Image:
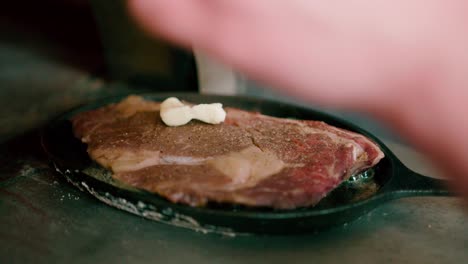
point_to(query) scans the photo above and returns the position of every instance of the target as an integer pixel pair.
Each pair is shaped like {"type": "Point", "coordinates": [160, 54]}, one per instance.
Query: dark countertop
{"type": "Point", "coordinates": [43, 219]}
{"type": "Point", "coordinates": [46, 220]}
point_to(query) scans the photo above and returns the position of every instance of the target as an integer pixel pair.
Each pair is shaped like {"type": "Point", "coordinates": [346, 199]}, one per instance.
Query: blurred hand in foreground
{"type": "Point", "coordinates": [403, 61]}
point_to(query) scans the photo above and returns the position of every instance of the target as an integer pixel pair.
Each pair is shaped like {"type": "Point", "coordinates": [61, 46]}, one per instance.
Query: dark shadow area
{"type": "Point", "coordinates": [61, 30]}
{"type": "Point", "coordinates": [97, 37]}
{"type": "Point", "coordinates": [57, 53]}
{"type": "Point", "coordinates": [18, 151]}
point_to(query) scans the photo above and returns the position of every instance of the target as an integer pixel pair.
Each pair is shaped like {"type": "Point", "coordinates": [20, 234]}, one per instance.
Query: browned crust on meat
{"type": "Point", "coordinates": [130, 139]}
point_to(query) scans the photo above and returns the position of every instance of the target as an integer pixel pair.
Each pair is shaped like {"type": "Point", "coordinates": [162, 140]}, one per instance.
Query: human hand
{"type": "Point", "coordinates": [352, 54]}
{"type": "Point", "coordinates": [403, 61]}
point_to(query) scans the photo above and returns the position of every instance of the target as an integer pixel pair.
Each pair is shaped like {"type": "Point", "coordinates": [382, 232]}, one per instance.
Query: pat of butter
{"type": "Point", "coordinates": [174, 113]}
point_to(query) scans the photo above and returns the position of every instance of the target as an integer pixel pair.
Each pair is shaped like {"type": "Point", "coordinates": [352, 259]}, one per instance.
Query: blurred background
{"type": "Point", "coordinates": [56, 54]}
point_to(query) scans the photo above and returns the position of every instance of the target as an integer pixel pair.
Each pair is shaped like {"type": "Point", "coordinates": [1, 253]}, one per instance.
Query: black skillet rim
{"type": "Point", "coordinates": [153, 199]}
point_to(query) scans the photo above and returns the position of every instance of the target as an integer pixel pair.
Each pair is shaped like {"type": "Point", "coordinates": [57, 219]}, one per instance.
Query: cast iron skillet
{"type": "Point", "coordinates": [390, 179]}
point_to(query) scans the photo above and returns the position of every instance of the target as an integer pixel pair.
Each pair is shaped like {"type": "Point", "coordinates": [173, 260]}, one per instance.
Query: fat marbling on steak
{"type": "Point", "coordinates": [250, 159]}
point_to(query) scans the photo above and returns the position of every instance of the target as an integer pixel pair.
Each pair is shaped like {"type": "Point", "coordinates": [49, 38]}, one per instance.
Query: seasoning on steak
{"type": "Point", "coordinates": [250, 159]}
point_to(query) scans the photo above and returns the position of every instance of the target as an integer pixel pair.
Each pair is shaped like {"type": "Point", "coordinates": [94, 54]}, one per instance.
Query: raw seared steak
{"type": "Point", "coordinates": [250, 159]}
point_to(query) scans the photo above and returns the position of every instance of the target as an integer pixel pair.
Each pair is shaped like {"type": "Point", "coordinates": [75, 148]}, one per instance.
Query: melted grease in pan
{"type": "Point", "coordinates": [358, 187]}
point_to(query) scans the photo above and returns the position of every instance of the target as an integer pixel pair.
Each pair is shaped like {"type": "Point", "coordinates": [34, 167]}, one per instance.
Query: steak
{"type": "Point", "coordinates": [250, 159]}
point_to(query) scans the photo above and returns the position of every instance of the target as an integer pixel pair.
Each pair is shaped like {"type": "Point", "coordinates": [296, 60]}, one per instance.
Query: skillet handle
{"type": "Point", "coordinates": [410, 183]}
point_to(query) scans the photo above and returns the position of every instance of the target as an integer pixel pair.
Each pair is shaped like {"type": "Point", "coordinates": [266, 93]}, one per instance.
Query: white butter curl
{"type": "Point", "coordinates": [174, 113]}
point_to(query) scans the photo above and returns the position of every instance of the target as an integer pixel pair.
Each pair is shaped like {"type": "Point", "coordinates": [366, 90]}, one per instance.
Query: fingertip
{"type": "Point", "coordinates": [175, 20]}
{"type": "Point", "coordinates": [146, 14]}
